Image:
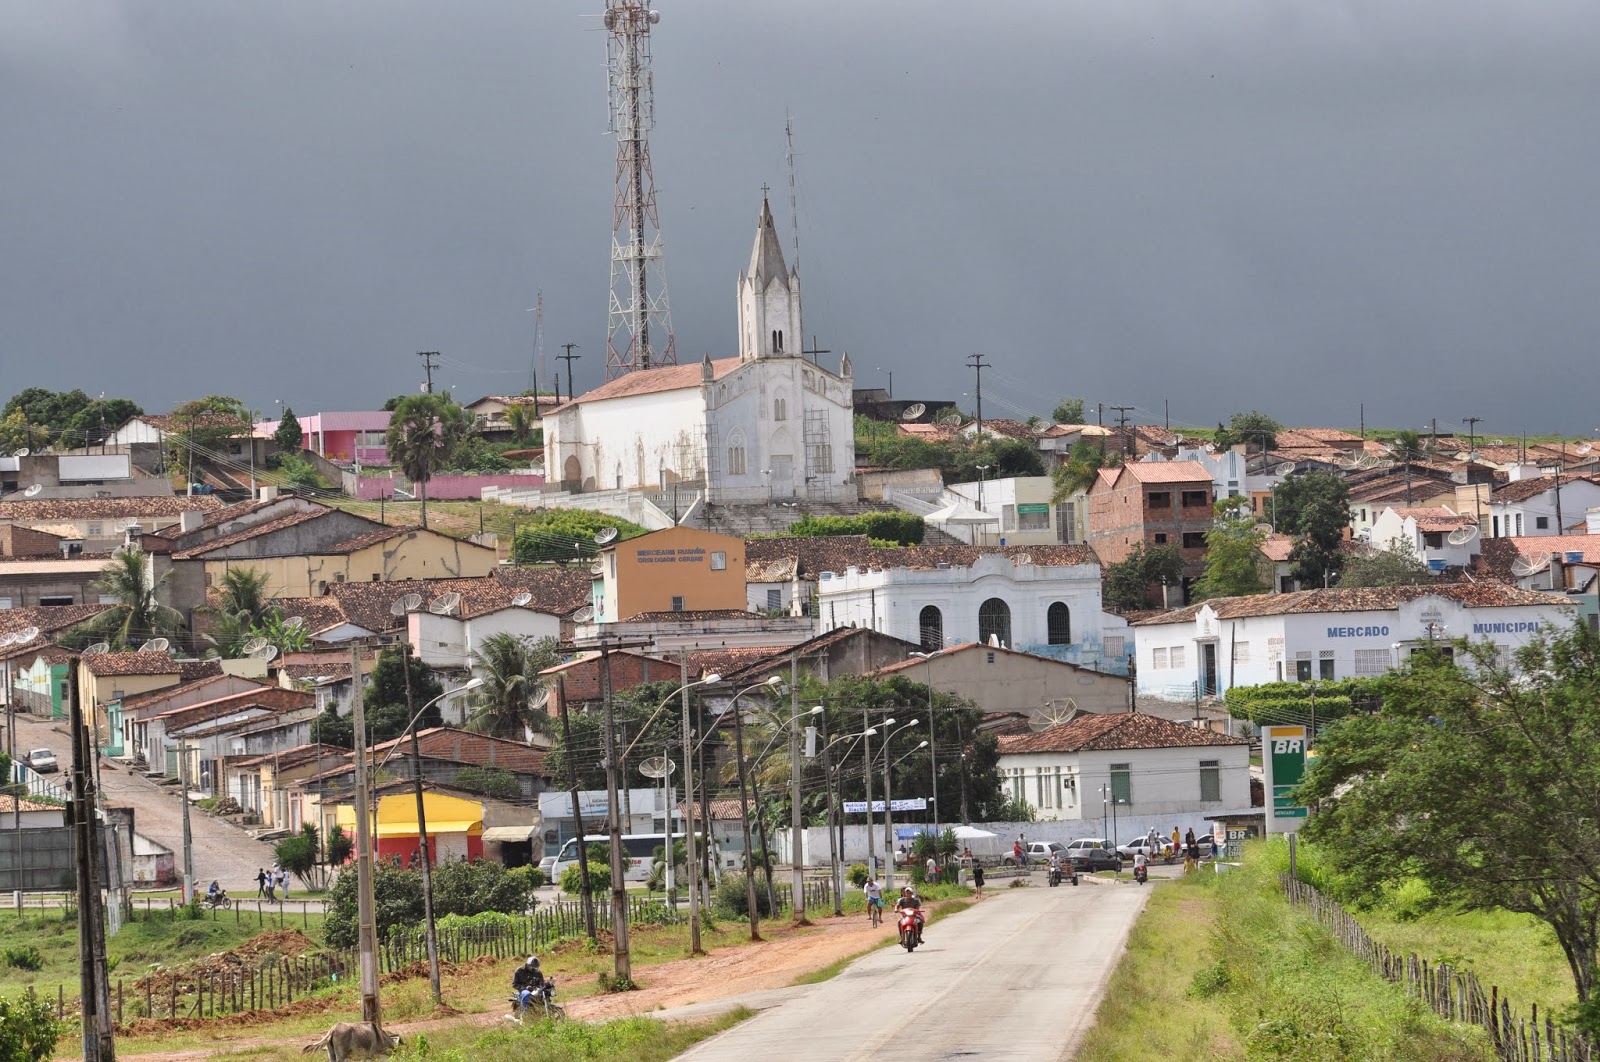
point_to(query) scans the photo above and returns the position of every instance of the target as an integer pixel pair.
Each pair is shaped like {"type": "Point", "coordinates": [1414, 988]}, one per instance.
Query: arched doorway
{"type": "Point", "coordinates": [994, 620]}
{"type": "Point", "coordinates": [930, 628]}
{"type": "Point", "coordinates": [1058, 624]}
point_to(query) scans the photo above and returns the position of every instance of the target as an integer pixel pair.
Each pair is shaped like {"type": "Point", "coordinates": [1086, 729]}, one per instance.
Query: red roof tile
{"type": "Point", "coordinates": [130, 664]}
{"type": "Point", "coordinates": [653, 381]}
{"type": "Point", "coordinates": [1167, 471]}
{"type": "Point", "coordinates": [1094, 732]}
{"type": "Point", "coordinates": [477, 750]}
{"type": "Point", "coordinates": [1351, 599]}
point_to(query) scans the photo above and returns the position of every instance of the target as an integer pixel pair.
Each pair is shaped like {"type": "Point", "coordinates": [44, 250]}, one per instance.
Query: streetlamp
{"type": "Point", "coordinates": [891, 378]}
{"type": "Point", "coordinates": [933, 736]}
{"type": "Point", "coordinates": [422, 818]}
{"type": "Point", "coordinates": [866, 774]}
{"type": "Point", "coordinates": [755, 795]}
{"type": "Point", "coordinates": [836, 852]}
{"type": "Point", "coordinates": [888, 806]}
{"type": "Point", "coordinates": [744, 801]}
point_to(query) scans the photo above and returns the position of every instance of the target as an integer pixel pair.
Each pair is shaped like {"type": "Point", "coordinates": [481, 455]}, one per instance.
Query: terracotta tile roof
{"type": "Point", "coordinates": [559, 590]}
{"type": "Point", "coordinates": [1434, 517]}
{"type": "Point", "coordinates": [1151, 434]}
{"type": "Point", "coordinates": [773, 559]}
{"type": "Point", "coordinates": [931, 432]}
{"type": "Point", "coordinates": [587, 658]}
{"type": "Point", "coordinates": [48, 618]}
{"type": "Point", "coordinates": [911, 664]}
{"type": "Point", "coordinates": [320, 613]}
{"type": "Point", "coordinates": [217, 516]}
{"type": "Point", "coordinates": [1327, 435]}
{"type": "Point", "coordinates": [1167, 471]}
{"type": "Point", "coordinates": [730, 662]}
{"type": "Point", "coordinates": [777, 659]}
{"type": "Point", "coordinates": [1533, 486]}
{"type": "Point", "coordinates": [1276, 548]}
{"type": "Point", "coordinates": [195, 670]}
{"type": "Point", "coordinates": [555, 591]}
{"type": "Point", "coordinates": [191, 687]}
{"type": "Point", "coordinates": [721, 810]}
{"type": "Point", "coordinates": [1055, 431]}
{"type": "Point", "coordinates": [8, 806]}
{"type": "Point", "coordinates": [300, 754]}
{"type": "Point", "coordinates": [245, 534]}
{"type": "Point", "coordinates": [653, 381]}
{"type": "Point", "coordinates": [130, 664]}
{"type": "Point", "coordinates": [1011, 429]}
{"type": "Point", "coordinates": [274, 699]}
{"type": "Point", "coordinates": [308, 672]}
{"type": "Point", "coordinates": [371, 538]}
{"type": "Point", "coordinates": [39, 647]}
{"type": "Point", "coordinates": [1093, 732]}
{"type": "Point", "coordinates": [998, 723]}
{"type": "Point", "coordinates": [106, 508]}
{"type": "Point", "coordinates": [476, 750]}
{"type": "Point", "coordinates": [1351, 599]}
{"type": "Point", "coordinates": [1499, 554]}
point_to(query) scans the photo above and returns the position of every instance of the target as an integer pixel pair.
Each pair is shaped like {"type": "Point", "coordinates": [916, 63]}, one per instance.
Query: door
{"type": "Point", "coordinates": [1208, 669]}
{"type": "Point", "coordinates": [782, 476]}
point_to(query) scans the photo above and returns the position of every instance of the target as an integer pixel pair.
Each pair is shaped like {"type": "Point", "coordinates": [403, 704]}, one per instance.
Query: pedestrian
{"type": "Point", "coordinates": [933, 870]}
{"type": "Point", "coordinates": [1177, 841]}
{"type": "Point", "coordinates": [1191, 848]}
{"type": "Point", "coordinates": [977, 880]}
{"type": "Point", "coordinates": [1016, 850]}
{"type": "Point", "coordinates": [272, 887]}
{"type": "Point", "coordinates": [261, 882]}
{"type": "Point", "coordinates": [283, 879]}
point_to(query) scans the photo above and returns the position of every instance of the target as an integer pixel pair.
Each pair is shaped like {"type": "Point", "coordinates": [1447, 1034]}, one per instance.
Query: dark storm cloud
{"type": "Point", "coordinates": [1289, 207]}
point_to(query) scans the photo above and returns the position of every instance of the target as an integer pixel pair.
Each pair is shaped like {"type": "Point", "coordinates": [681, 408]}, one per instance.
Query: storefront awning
{"type": "Point", "coordinates": [515, 834]}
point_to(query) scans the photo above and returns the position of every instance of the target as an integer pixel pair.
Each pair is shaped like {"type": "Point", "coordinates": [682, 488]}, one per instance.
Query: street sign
{"type": "Point", "coordinates": [859, 807]}
{"type": "Point", "coordinates": [1284, 760]}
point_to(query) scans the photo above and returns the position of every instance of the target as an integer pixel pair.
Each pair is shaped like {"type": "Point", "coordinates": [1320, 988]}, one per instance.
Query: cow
{"type": "Point", "coordinates": [355, 1040]}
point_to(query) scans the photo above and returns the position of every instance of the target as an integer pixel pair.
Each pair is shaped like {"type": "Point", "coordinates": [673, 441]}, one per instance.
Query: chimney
{"type": "Point", "coordinates": [190, 521]}
{"type": "Point", "coordinates": [1591, 521]}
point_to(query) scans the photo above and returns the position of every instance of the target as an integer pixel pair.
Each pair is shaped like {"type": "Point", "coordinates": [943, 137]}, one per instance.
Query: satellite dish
{"type": "Point", "coordinates": [950, 420]}
{"type": "Point", "coordinates": [1462, 535]}
{"type": "Point", "coordinates": [1284, 469]}
{"type": "Point", "coordinates": [1585, 448]}
{"type": "Point", "coordinates": [155, 645]}
{"type": "Point", "coordinates": [1211, 447]}
{"type": "Point", "coordinates": [7, 640]}
{"type": "Point", "coordinates": [24, 452]}
{"type": "Point", "coordinates": [445, 604]}
{"type": "Point", "coordinates": [1364, 535]}
{"type": "Point", "coordinates": [25, 635]}
{"type": "Point", "coordinates": [605, 535]}
{"type": "Point", "coordinates": [254, 646]}
{"type": "Point", "coordinates": [33, 489]}
{"type": "Point", "coordinates": [1526, 566]}
{"type": "Point", "coordinates": [914, 411]}
{"type": "Point", "coordinates": [521, 599]}
{"type": "Point", "coordinates": [266, 653]}
{"type": "Point", "coordinates": [584, 614]}
{"type": "Point", "coordinates": [1022, 558]}
{"type": "Point", "coordinates": [97, 648]}
{"type": "Point", "coordinates": [294, 623]}
{"type": "Point", "coordinates": [413, 602]}
{"type": "Point", "coordinates": [656, 767]}
{"type": "Point", "coordinates": [1056, 713]}
{"type": "Point", "coordinates": [397, 607]}
{"type": "Point", "coordinates": [597, 569]}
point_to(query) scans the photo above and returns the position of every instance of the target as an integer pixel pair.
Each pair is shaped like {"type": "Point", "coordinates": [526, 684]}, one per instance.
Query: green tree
{"type": "Point", "coordinates": [385, 704]}
{"type": "Point", "coordinates": [1317, 556]}
{"type": "Point", "coordinates": [1408, 446]}
{"type": "Point", "coordinates": [241, 603]}
{"type": "Point", "coordinates": [1255, 429]}
{"type": "Point", "coordinates": [1002, 456]}
{"type": "Point", "coordinates": [29, 1029]}
{"type": "Point", "coordinates": [136, 614]}
{"type": "Point", "coordinates": [91, 424]}
{"type": "Point", "coordinates": [523, 419]}
{"type": "Point", "coordinates": [51, 410]}
{"type": "Point", "coordinates": [288, 438]}
{"type": "Point", "coordinates": [16, 433]}
{"type": "Point", "coordinates": [424, 434]}
{"type": "Point", "coordinates": [1133, 583]}
{"type": "Point", "coordinates": [1233, 553]}
{"type": "Point", "coordinates": [1070, 411]}
{"type": "Point", "coordinates": [1077, 474]}
{"type": "Point", "coordinates": [299, 472]}
{"type": "Point", "coordinates": [300, 854]}
{"type": "Point", "coordinates": [511, 699]}
{"type": "Point", "coordinates": [1403, 794]}
{"type": "Point", "coordinates": [893, 450]}
{"type": "Point", "coordinates": [1396, 564]}
{"type": "Point", "coordinates": [566, 534]}
{"type": "Point", "coordinates": [1294, 493]}
{"type": "Point", "coordinates": [207, 424]}
{"type": "Point", "coordinates": [477, 454]}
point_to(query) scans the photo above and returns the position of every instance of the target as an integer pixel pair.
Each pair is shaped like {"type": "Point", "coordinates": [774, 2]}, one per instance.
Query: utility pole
{"type": "Point", "coordinates": [430, 936]}
{"type": "Point", "coordinates": [1472, 433]}
{"type": "Point", "coordinates": [1122, 429]}
{"type": "Point", "coordinates": [428, 366]}
{"type": "Point", "coordinates": [622, 960]}
{"type": "Point", "coordinates": [866, 739]}
{"type": "Point", "coordinates": [94, 977]}
{"type": "Point", "coordinates": [688, 799]}
{"type": "Point", "coordinates": [188, 840]}
{"type": "Point", "coordinates": [569, 357]}
{"type": "Point", "coordinates": [796, 833]}
{"type": "Point", "coordinates": [577, 813]}
{"type": "Point", "coordinates": [367, 931]}
{"type": "Point", "coordinates": [1100, 422]}
{"type": "Point", "coordinates": [744, 823]}
{"type": "Point", "coordinates": [977, 364]}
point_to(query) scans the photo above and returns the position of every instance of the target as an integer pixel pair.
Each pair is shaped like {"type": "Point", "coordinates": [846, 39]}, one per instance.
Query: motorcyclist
{"type": "Point", "coordinates": [214, 892]}
{"type": "Point", "coordinates": [1055, 866]}
{"type": "Point", "coordinates": [909, 900]}
{"type": "Point", "coordinates": [1140, 863]}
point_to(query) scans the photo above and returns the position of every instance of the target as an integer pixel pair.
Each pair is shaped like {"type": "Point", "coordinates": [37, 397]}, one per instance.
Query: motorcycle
{"type": "Point", "coordinates": [543, 996]}
{"type": "Point", "coordinates": [1141, 875]}
{"type": "Point", "coordinates": [1055, 876]}
{"type": "Point", "coordinates": [212, 901]}
{"type": "Point", "coordinates": [910, 928]}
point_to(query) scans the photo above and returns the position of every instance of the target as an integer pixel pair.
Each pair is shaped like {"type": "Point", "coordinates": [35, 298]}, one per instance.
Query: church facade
{"type": "Point", "coordinates": [766, 426]}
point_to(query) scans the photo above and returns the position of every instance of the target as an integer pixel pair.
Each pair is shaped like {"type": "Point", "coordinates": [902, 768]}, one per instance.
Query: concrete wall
{"type": "Point", "coordinates": [925, 482]}
{"type": "Point", "coordinates": [644, 574]}
{"type": "Point", "coordinates": [1162, 782]}
{"type": "Point", "coordinates": [442, 488]}
{"type": "Point", "coordinates": [1016, 681]}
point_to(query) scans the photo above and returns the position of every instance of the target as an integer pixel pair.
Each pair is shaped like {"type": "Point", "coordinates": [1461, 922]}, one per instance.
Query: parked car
{"type": "Point", "coordinates": [1162, 849]}
{"type": "Point", "coordinates": [44, 761]}
{"type": "Point", "coordinates": [545, 865]}
{"type": "Point", "coordinates": [1037, 852]}
{"type": "Point", "coordinates": [1089, 854]}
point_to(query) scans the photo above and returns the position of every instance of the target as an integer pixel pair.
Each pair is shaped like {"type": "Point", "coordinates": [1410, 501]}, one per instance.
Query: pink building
{"type": "Point", "coordinates": [345, 438]}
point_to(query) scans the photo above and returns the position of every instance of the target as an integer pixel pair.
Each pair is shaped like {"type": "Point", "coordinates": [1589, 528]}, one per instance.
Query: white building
{"type": "Point", "coordinates": [1026, 514]}
{"type": "Point", "coordinates": [1038, 599]}
{"type": "Point", "coordinates": [766, 425]}
{"type": "Point", "coordinates": [1534, 506]}
{"type": "Point", "coordinates": [1148, 765]}
{"type": "Point", "coordinates": [1326, 634]}
{"type": "Point", "coordinates": [1440, 536]}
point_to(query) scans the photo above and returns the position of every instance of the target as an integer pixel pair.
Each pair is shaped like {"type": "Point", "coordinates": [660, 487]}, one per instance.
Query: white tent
{"type": "Point", "coordinates": [960, 513]}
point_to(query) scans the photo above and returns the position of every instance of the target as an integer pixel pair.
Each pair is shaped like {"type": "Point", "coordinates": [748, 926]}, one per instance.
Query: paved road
{"type": "Point", "coordinates": [221, 851]}
{"type": "Point", "coordinates": [1015, 978]}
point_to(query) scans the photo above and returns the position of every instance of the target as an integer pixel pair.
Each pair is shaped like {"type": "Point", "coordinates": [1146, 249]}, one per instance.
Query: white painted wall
{"type": "Point", "coordinates": [1162, 782]}
{"type": "Point", "coordinates": [1390, 526]}
{"type": "Point", "coordinates": [444, 642]}
{"type": "Point", "coordinates": [1577, 496]}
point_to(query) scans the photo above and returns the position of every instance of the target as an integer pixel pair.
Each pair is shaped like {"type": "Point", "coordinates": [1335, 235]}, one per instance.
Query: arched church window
{"type": "Point", "coordinates": [780, 409]}
{"type": "Point", "coordinates": [1058, 624]}
{"type": "Point", "coordinates": [777, 343]}
{"type": "Point", "coordinates": [930, 628]}
{"type": "Point", "coordinates": [994, 621]}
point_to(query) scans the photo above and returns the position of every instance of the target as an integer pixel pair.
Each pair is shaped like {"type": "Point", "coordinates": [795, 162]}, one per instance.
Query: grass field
{"type": "Point", "coordinates": [1220, 967]}
{"type": "Point", "coordinates": [622, 1040]}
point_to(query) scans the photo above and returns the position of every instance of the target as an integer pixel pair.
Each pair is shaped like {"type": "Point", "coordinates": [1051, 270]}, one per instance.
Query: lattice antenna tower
{"type": "Point", "coordinates": [536, 366]}
{"type": "Point", "coordinates": [794, 208]}
{"type": "Point", "coordinates": [639, 328]}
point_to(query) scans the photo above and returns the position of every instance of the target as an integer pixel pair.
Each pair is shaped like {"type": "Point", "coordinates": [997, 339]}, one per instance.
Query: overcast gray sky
{"type": "Point", "coordinates": [1233, 204]}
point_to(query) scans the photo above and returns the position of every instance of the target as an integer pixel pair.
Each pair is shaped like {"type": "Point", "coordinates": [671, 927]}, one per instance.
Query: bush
{"type": "Point", "coordinates": [565, 534]}
{"type": "Point", "coordinates": [859, 874]}
{"type": "Point", "coordinates": [599, 878]}
{"type": "Point", "coordinates": [490, 781]}
{"type": "Point", "coordinates": [397, 901]}
{"type": "Point", "coordinates": [29, 1029]}
{"type": "Point", "coordinates": [731, 899]}
{"type": "Point", "coordinates": [23, 957]}
{"type": "Point", "coordinates": [469, 888]}
{"type": "Point", "coordinates": [901, 529]}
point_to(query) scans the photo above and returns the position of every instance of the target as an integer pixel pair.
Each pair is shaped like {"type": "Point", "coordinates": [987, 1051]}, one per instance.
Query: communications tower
{"type": "Point", "coordinates": [639, 328]}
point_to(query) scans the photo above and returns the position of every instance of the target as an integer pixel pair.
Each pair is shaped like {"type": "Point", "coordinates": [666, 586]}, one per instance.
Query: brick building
{"type": "Point", "coordinates": [1157, 503]}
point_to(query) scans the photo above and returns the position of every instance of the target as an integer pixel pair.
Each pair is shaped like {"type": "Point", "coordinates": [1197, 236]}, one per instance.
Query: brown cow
{"type": "Point", "coordinates": [355, 1040]}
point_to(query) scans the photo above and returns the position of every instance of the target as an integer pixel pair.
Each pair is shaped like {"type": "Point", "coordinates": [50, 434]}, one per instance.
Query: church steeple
{"type": "Point", "coordinates": [769, 297]}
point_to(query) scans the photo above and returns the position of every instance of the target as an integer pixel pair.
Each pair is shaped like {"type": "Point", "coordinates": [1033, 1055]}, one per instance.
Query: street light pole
{"type": "Point", "coordinates": [797, 902]}
{"type": "Point", "coordinates": [933, 737]}
{"type": "Point", "coordinates": [888, 808]}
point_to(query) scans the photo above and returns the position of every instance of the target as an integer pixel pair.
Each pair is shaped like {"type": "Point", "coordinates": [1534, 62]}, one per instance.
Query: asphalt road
{"type": "Point", "coordinates": [1017, 977]}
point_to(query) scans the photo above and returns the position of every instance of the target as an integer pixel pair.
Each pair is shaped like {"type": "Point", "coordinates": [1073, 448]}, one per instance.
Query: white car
{"type": "Point", "coordinates": [1162, 849]}
{"type": "Point", "coordinates": [44, 761]}
{"type": "Point", "coordinates": [545, 864]}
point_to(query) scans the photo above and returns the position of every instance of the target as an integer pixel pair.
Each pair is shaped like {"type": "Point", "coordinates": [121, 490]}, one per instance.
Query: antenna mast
{"type": "Point", "coordinates": [794, 209]}
{"type": "Point", "coordinates": [538, 347]}
{"type": "Point", "coordinates": [638, 303]}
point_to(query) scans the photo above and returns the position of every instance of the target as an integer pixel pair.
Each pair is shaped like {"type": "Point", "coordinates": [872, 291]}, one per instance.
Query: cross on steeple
{"type": "Point", "coordinates": [814, 351]}
{"type": "Point", "coordinates": [765, 188]}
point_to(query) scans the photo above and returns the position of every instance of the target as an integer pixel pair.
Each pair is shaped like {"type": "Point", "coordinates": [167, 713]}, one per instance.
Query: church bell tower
{"type": "Point", "coordinates": [769, 298]}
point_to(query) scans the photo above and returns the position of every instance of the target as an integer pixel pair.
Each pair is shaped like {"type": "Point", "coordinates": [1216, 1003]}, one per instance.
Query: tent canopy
{"type": "Point", "coordinates": [960, 513]}
{"type": "Point", "coordinates": [972, 833]}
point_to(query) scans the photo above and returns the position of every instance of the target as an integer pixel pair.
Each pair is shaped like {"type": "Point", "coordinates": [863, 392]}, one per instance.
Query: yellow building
{"type": "Point", "coordinates": [455, 826]}
{"type": "Point", "coordinates": [680, 569]}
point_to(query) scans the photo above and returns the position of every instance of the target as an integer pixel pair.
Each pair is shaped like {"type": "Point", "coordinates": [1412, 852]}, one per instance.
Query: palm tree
{"type": "Point", "coordinates": [523, 418]}
{"type": "Point", "coordinates": [511, 698]}
{"type": "Point", "coordinates": [241, 605]}
{"type": "Point", "coordinates": [424, 433]}
{"type": "Point", "coordinates": [136, 615]}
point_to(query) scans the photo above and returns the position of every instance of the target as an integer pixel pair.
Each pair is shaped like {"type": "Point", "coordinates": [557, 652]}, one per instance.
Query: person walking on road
{"type": "Point", "coordinates": [1191, 849]}
{"type": "Point", "coordinates": [977, 880]}
{"type": "Point", "coordinates": [283, 880]}
{"type": "Point", "coordinates": [261, 882]}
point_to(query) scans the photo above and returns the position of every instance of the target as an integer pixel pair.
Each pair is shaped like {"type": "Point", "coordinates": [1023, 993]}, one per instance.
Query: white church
{"type": "Point", "coordinates": [766, 426]}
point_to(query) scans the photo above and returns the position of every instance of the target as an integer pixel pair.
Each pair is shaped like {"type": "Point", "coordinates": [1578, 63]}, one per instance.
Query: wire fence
{"type": "Point", "coordinates": [1454, 995]}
